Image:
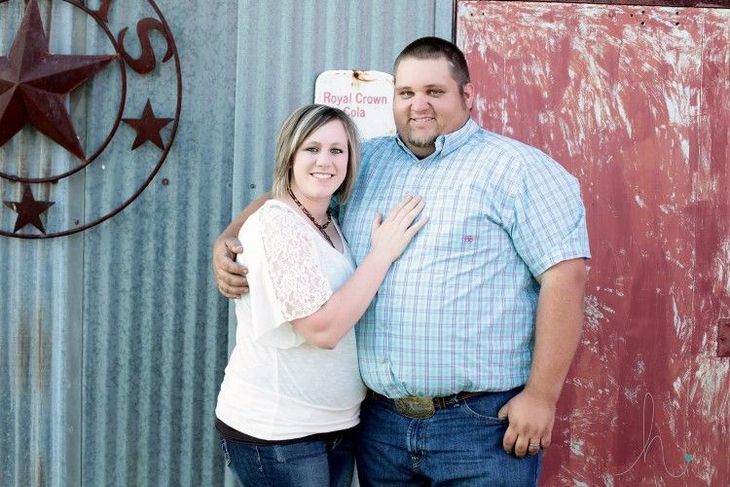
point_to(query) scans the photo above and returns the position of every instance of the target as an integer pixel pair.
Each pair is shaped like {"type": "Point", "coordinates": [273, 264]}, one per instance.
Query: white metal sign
{"type": "Point", "coordinates": [367, 96]}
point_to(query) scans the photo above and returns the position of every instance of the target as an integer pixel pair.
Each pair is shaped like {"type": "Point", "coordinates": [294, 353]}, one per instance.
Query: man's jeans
{"type": "Point", "coordinates": [316, 463]}
{"type": "Point", "coordinates": [461, 445]}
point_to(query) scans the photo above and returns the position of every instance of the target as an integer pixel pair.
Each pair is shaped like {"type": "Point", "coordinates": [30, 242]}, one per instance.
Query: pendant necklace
{"type": "Point", "coordinates": [321, 227]}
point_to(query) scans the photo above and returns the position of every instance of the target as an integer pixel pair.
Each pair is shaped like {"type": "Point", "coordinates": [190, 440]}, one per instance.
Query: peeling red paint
{"type": "Point", "coordinates": [634, 101]}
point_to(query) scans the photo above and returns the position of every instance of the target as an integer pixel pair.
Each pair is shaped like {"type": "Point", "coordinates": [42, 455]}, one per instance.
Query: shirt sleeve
{"type": "Point", "coordinates": [549, 220]}
{"type": "Point", "coordinates": [294, 286]}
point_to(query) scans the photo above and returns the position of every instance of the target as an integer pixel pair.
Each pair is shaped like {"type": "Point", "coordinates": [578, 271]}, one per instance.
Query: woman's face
{"type": "Point", "coordinates": [320, 163]}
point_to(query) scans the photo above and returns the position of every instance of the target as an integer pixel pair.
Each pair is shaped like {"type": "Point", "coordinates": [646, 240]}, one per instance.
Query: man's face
{"type": "Point", "coordinates": [428, 103]}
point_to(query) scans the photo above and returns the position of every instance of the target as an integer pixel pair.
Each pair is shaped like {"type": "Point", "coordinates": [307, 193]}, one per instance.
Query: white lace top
{"type": "Point", "coordinates": [277, 386]}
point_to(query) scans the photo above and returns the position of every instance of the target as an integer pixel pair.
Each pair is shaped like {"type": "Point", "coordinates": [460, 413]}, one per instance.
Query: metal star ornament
{"type": "Point", "coordinates": [34, 84]}
{"type": "Point", "coordinates": [29, 210]}
{"type": "Point", "coordinates": [148, 127]}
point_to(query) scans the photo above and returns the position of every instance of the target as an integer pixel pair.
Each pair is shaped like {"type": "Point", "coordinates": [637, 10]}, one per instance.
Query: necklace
{"type": "Point", "coordinates": [321, 227]}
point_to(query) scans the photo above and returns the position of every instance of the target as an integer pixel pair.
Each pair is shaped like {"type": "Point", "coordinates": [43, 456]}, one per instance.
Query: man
{"type": "Point", "coordinates": [467, 344]}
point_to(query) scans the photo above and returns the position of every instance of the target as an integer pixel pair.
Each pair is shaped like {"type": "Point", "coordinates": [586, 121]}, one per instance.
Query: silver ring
{"type": "Point", "coordinates": [534, 445]}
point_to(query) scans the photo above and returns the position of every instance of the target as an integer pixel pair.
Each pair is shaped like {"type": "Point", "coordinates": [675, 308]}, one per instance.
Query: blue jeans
{"type": "Point", "coordinates": [461, 445]}
{"type": "Point", "coordinates": [315, 463]}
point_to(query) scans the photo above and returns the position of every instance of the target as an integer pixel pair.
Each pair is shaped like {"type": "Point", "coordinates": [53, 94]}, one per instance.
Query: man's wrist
{"type": "Point", "coordinates": [548, 395]}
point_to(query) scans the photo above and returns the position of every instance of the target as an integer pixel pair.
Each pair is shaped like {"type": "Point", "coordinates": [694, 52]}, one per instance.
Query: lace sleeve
{"type": "Point", "coordinates": [299, 283]}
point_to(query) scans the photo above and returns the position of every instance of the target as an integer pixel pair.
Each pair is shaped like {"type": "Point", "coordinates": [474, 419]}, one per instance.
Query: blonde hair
{"type": "Point", "coordinates": [295, 130]}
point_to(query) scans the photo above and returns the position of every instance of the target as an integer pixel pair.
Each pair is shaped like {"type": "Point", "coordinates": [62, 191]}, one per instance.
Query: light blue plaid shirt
{"type": "Point", "coordinates": [456, 312]}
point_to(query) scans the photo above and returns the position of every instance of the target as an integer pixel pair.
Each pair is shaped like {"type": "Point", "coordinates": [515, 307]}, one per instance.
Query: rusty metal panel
{"type": "Point", "coordinates": [634, 101]}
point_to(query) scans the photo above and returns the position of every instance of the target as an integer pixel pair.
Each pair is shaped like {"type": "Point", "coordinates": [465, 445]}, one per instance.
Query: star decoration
{"type": "Point", "coordinates": [29, 210]}
{"type": "Point", "coordinates": [148, 127]}
{"type": "Point", "coordinates": [34, 84]}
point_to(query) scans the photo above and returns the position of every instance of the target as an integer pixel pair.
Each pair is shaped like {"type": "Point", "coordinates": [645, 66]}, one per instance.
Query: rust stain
{"type": "Point", "coordinates": [632, 100]}
{"type": "Point", "coordinates": [40, 356]}
{"type": "Point", "coordinates": [31, 357]}
{"type": "Point", "coordinates": [38, 474]}
{"type": "Point", "coordinates": [723, 338]}
{"type": "Point", "coordinates": [360, 77]}
{"type": "Point", "coordinates": [22, 356]}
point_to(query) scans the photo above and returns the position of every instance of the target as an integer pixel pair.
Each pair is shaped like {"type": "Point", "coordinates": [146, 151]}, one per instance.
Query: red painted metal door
{"type": "Point", "coordinates": [634, 101]}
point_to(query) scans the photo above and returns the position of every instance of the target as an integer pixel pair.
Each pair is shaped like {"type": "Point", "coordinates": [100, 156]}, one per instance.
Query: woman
{"type": "Point", "coordinates": [292, 391]}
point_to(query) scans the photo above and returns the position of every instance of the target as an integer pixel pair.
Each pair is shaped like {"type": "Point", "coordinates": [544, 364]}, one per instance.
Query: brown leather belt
{"type": "Point", "coordinates": [423, 407]}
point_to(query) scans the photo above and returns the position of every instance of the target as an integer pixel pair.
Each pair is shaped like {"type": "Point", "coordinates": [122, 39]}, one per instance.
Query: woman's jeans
{"type": "Point", "coordinates": [313, 463]}
{"type": "Point", "coordinates": [460, 445]}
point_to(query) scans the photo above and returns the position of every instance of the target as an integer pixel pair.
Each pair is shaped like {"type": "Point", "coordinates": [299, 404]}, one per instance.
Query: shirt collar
{"type": "Point", "coordinates": [445, 144]}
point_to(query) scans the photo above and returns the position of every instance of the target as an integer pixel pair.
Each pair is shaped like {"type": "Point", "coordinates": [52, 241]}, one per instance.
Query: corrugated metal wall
{"type": "Point", "coordinates": [113, 341]}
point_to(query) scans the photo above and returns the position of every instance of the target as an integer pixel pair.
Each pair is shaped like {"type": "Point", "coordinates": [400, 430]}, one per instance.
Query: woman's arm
{"type": "Point", "coordinates": [389, 238]}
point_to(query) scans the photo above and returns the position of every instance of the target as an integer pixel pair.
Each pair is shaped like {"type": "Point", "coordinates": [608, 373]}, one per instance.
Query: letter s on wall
{"type": "Point", "coordinates": [146, 61]}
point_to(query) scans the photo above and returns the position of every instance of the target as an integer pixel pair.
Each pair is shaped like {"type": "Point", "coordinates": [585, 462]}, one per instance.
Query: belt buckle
{"type": "Point", "coordinates": [415, 407]}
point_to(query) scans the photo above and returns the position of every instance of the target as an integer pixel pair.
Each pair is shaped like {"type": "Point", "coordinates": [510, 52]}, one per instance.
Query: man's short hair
{"type": "Point", "coordinates": [295, 130]}
{"type": "Point", "coordinates": [437, 48]}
